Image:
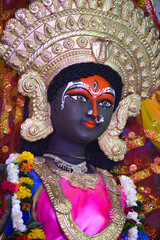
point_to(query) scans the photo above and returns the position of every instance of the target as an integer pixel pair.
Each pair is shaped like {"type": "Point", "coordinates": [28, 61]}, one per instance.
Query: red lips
{"type": "Point", "coordinates": [90, 124]}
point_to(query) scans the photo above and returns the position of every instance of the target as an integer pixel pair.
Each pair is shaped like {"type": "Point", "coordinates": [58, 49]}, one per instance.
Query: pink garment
{"type": "Point", "coordinates": [90, 210]}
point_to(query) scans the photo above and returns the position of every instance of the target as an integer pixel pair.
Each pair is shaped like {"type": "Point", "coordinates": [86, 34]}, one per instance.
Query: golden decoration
{"type": "Point", "coordinates": [134, 141]}
{"type": "Point", "coordinates": [141, 3]}
{"type": "Point", "coordinates": [151, 203]}
{"type": "Point", "coordinates": [155, 168]}
{"type": "Point", "coordinates": [145, 173]}
{"type": "Point", "coordinates": [4, 14]}
{"type": "Point", "coordinates": [79, 180]}
{"type": "Point", "coordinates": [156, 96]}
{"type": "Point", "coordinates": [4, 121]}
{"type": "Point", "coordinates": [5, 149]}
{"type": "Point", "coordinates": [152, 134]}
{"type": "Point", "coordinates": [63, 206]}
{"type": "Point", "coordinates": [32, 85]}
{"type": "Point", "coordinates": [52, 35]}
{"type": "Point", "coordinates": [141, 175]}
{"type": "Point", "coordinates": [140, 189]}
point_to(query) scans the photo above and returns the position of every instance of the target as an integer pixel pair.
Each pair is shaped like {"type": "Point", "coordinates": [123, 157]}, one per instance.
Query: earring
{"type": "Point", "coordinates": [99, 119]}
{"type": "Point", "coordinates": [90, 112]}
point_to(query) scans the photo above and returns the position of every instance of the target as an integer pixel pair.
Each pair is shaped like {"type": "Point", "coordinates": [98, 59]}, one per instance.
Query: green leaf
{"type": "Point", "coordinates": [140, 227]}
{"type": "Point", "coordinates": [21, 174]}
{"type": "Point", "coordinates": [142, 219]}
{"type": "Point", "coordinates": [15, 162]}
{"type": "Point", "coordinates": [139, 203]}
{"type": "Point", "coordinates": [18, 233]}
{"type": "Point", "coordinates": [26, 200]}
{"type": "Point", "coordinates": [128, 225]}
{"type": "Point", "coordinates": [138, 208]}
{"type": "Point", "coordinates": [29, 186]}
{"type": "Point", "coordinates": [32, 224]}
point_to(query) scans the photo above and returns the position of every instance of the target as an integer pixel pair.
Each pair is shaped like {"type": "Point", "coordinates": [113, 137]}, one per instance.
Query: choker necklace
{"type": "Point", "coordinates": [66, 155]}
{"type": "Point", "coordinates": [78, 168]}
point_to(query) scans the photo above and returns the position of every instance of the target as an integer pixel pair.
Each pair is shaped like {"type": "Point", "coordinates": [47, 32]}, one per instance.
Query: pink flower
{"type": "Point", "coordinates": [7, 186]}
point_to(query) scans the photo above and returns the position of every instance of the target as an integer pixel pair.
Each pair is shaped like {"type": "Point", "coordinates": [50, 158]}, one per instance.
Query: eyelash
{"type": "Point", "coordinates": [105, 103]}
{"type": "Point", "coordinates": [79, 98]}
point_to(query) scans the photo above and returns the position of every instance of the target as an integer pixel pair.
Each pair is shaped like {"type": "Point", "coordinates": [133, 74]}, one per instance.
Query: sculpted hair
{"type": "Point", "coordinates": [84, 70]}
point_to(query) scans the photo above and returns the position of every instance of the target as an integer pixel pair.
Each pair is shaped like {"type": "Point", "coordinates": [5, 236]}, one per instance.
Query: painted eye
{"type": "Point", "coordinates": [105, 103]}
{"type": "Point", "coordinates": [79, 98]}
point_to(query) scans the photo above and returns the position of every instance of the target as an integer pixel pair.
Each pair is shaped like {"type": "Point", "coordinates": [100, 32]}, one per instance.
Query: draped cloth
{"type": "Point", "coordinates": [90, 209]}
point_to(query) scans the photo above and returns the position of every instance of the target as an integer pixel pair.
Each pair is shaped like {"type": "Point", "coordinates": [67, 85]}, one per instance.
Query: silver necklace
{"type": "Point", "coordinates": [78, 168]}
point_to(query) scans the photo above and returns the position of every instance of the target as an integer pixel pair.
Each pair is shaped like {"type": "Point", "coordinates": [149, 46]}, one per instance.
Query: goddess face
{"type": "Point", "coordinates": [82, 109]}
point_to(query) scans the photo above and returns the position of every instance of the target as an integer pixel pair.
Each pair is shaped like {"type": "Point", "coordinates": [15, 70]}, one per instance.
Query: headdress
{"type": "Point", "coordinates": [53, 34]}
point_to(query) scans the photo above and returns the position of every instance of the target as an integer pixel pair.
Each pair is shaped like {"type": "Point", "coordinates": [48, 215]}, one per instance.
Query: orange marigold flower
{"type": "Point", "coordinates": [26, 166]}
{"type": "Point", "coordinates": [17, 185]}
{"type": "Point", "coordinates": [26, 206]}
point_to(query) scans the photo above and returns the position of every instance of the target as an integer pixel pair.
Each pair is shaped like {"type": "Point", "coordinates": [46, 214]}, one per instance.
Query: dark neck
{"type": "Point", "coordinates": [66, 149]}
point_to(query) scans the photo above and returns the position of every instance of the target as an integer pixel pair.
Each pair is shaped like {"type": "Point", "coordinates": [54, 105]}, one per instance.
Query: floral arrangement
{"type": "Point", "coordinates": [133, 207]}
{"type": "Point", "coordinates": [19, 183]}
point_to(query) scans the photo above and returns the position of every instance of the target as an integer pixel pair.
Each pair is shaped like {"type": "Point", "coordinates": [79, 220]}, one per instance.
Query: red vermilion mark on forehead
{"type": "Point", "coordinates": [96, 85]}
{"type": "Point", "coordinates": [95, 88]}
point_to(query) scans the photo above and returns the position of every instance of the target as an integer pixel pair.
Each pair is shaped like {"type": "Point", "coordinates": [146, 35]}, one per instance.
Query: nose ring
{"type": "Point", "coordinates": [90, 112]}
{"type": "Point", "coordinates": [99, 119]}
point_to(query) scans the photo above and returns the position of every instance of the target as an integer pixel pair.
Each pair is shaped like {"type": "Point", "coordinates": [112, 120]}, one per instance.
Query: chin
{"type": "Point", "coordinates": [86, 138]}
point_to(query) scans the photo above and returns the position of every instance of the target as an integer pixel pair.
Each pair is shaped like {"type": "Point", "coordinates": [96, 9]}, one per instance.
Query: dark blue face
{"type": "Point", "coordinates": [82, 109]}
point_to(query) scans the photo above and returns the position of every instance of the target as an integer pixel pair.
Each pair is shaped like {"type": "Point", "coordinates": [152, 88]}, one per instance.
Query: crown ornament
{"type": "Point", "coordinates": [53, 34]}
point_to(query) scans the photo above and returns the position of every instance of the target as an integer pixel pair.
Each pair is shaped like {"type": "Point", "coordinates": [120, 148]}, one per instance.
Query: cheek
{"type": "Point", "coordinates": [67, 118]}
{"type": "Point", "coordinates": [107, 114]}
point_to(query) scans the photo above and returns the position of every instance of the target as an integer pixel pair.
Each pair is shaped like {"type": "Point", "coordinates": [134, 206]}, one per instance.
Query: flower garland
{"type": "Point", "coordinates": [18, 167]}
{"type": "Point", "coordinates": [19, 183]}
{"type": "Point", "coordinates": [133, 206]}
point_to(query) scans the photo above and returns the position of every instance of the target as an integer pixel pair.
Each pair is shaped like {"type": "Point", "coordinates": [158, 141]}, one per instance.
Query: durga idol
{"type": "Point", "coordinates": [85, 66]}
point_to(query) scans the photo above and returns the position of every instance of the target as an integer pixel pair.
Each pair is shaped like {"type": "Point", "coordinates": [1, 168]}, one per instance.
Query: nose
{"type": "Point", "coordinates": [95, 112]}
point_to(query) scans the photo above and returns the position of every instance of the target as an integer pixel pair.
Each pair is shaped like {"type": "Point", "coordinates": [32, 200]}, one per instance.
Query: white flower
{"type": "Point", "coordinates": [22, 228]}
{"type": "Point", "coordinates": [17, 214]}
{"type": "Point", "coordinates": [133, 233]}
{"type": "Point", "coordinates": [12, 171]}
{"type": "Point", "coordinates": [133, 215]}
{"type": "Point", "coordinates": [129, 189]}
{"type": "Point", "coordinates": [12, 176]}
{"type": "Point", "coordinates": [12, 157]}
{"type": "Point", "coordinates": [131, 202]}
{"type": "Point", "coordinates": [15, 199]}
